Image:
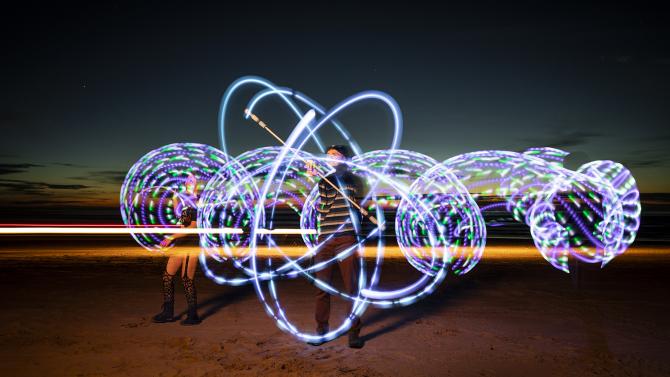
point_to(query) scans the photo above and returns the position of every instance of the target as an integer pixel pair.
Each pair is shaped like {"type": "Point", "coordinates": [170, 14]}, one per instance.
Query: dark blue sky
{"type": "Point", "coordinates": [88, 89]}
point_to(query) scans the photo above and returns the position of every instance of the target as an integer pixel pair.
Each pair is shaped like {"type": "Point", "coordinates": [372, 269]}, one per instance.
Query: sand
{"type": "Point", "coordinates": [73, 310]}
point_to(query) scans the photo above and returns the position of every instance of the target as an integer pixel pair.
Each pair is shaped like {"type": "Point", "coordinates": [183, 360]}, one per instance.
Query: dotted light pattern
{"type": "Point", "coordinates": [591, 214]}
{"type": "Point", "coordinates": [230, 200]}
{"type": "Point", "coordinates": [154, 191]}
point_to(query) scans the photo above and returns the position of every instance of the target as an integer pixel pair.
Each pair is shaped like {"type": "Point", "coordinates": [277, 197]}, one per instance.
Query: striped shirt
{"type": "Point", "coordinates": [336, 212]}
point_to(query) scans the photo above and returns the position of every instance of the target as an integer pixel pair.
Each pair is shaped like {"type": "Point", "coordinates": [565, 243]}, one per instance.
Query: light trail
{"type": "Point", "coordinates": [503, 253]}
{"type": "Point", "coordinates": [56, 225]}
{"type": "Point", "coordinates": [142, 230]}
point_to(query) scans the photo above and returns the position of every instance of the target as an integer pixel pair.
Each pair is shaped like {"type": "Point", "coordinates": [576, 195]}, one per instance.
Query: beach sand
{"type": "Point", "coordinates": [84, 310]}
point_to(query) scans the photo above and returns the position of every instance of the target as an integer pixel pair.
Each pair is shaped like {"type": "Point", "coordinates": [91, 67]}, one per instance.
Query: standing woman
{"type": "Point", "coordinates": [187, 261]}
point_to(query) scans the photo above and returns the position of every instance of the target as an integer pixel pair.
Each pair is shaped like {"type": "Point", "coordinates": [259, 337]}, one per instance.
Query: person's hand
{"type": "Point", "coordinates": [310, 165]}
{"type": "Point", "coordinates": [167, 241]}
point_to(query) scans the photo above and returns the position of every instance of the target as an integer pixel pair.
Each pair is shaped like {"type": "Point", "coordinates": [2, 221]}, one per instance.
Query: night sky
{"type": "Point", "coordinates": [88, 89]}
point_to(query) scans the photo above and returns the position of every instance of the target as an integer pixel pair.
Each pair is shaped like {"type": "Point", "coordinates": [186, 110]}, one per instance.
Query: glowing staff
{"type": "Point", "coordinates": [308, 118]}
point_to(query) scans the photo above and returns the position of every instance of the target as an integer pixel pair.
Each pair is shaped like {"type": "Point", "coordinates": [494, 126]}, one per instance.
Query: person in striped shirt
{"type": "Point", "coordinates": [339, 222]}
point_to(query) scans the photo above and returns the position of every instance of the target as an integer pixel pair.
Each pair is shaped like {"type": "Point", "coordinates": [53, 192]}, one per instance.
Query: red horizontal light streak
{"type": "Point", "coordinates": [41, 225]}
{"type": "Point", "coordinates": [141, 230]}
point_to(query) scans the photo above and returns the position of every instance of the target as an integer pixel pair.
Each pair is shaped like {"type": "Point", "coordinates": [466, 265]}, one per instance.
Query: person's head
{"type": "Point", "coordinates": [191, 183]}
{"type": "Point", "coordinates": [338, 152]}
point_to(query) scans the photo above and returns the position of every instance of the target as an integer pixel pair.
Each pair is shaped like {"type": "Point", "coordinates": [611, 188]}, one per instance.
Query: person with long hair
{"type": "Point", "coordinates": [188, 262]}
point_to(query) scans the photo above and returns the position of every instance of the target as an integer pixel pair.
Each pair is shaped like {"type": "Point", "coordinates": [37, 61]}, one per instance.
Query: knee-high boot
{"type": "Point", "coordinates": [167, 314]}
{"type": "Point", "coordinates": [192, 300]}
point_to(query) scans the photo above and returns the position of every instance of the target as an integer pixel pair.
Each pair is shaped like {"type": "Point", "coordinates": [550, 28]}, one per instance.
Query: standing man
{"type": "Point", "coordinates": [338, 220]}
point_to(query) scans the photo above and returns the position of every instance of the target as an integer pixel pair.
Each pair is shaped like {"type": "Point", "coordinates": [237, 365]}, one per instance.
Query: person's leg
{"type": "Point", "coordinates": [322, 312]}
{"type": "Point", "coordinates": [173, 264]}
{"type": "Point", "coordinates": [188, 279]}
{"type": "Point", "coordinates": [192, 265]}
{"type": "Point", "coordinates": [167, 313]}
{"type": "Point", "coordinates": [349, 271]}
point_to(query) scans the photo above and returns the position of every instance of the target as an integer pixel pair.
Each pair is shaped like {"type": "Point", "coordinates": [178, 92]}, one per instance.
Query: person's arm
{"type": "Point", "coordinates": [182, 235]}
{"type": "Point", "coordinates": [167, 241]}
{"type": "Point", "coordinates": [311, 168]}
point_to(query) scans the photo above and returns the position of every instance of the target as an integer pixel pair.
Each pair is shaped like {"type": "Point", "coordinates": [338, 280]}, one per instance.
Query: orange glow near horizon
{"type": "Point", "coordinates": [493, 252]}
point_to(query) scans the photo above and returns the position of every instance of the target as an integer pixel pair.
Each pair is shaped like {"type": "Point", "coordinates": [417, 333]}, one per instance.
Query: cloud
{"type": "Point", "coordinates": [36, 188]}
{"type": "Point", "coordinates": [646, 163]}
{"type": "Point", "coordinates": [104, 176]}
{"type": "Point", "coordinates": [564, 139]}
{"type": "Point", "coordinates": [17, 168]}
{"type": "Point", "coordinates": [64, 187]}
{"type": "Point", "coordinates": [11, 188]}
{"type": "Point", "coordinates": [41, 202]}
{"type": "Point", "coordinates": [647, 158]}
{"type": "Point", "coordinates": [650, 161]}
{"type": "Point", "coordinates": [69, 165]}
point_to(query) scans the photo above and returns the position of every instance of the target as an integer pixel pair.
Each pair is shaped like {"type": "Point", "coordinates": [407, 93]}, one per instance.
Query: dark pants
{"type": "Point", "coordinates": [348, 270]}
